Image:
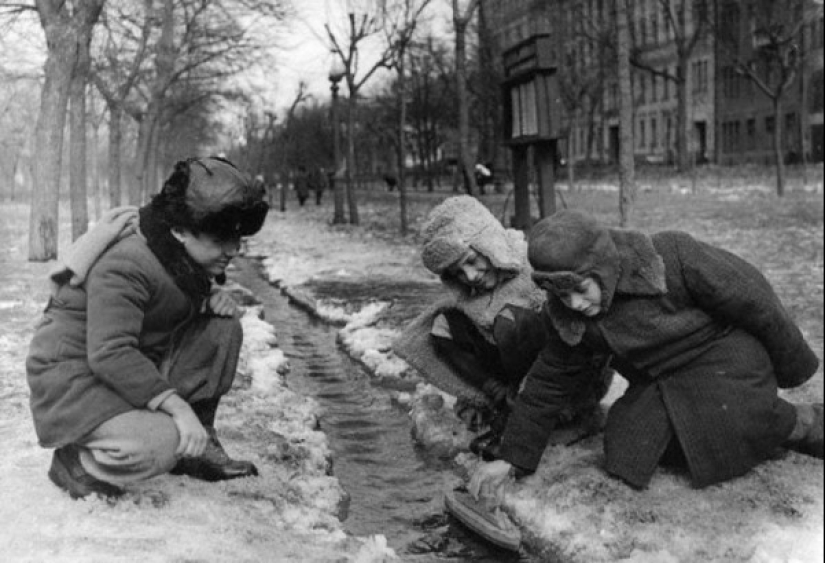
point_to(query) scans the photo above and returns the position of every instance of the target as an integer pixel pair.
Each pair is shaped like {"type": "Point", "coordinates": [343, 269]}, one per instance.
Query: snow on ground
{"type": "Point", "coordinates": [570, 509]}
{"type": "Point", "coordinates": [290, 513]}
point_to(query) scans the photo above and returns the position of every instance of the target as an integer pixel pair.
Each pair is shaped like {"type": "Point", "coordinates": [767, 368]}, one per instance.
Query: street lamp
{"type": "Point", "coordinates": [336, 73]}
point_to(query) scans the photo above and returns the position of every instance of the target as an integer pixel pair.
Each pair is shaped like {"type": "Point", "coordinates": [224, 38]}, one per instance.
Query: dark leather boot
{"type": "Point", "coordinates": [67, 473]}
{"type": "Point", "coordinates": [214, 464]}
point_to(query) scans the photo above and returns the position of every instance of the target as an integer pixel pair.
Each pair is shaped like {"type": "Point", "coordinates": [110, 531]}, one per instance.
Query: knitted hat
{"type": "Point", "coordinates": [461, 223]}
{"type": "Point", "coordinates": [569, 246]}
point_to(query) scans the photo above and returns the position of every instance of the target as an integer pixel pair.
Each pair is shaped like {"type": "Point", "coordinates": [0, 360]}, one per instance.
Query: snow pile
{"type": "Point", "coordinates": [371, 344]}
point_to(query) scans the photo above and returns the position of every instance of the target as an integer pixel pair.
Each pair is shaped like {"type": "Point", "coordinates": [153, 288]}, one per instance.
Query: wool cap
{"type": "Point", "coordinates": [461, 223]}
{"type": "Point", "coordinates": [569, 246]}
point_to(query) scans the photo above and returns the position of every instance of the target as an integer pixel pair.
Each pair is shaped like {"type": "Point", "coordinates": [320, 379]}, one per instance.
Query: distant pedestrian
{"type": "Point", "coordinates": [302, 185]}
{"type": "Point", "coordinates": [136, 345]}
{"type": "Point", "coordinates": [391, 180]}
{"type": "Point", "coordinates": [484, 176]}
{"type": "Point", "coordinates": [318, 183]}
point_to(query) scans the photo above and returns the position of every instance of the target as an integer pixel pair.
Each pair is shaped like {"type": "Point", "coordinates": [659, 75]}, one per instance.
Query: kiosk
{"type": "Point", "coordinates": [533, 114]}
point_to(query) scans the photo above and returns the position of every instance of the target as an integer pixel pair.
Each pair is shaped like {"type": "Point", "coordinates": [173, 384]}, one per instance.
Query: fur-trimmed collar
{"type": "Point", "coordinates": [641, 272]}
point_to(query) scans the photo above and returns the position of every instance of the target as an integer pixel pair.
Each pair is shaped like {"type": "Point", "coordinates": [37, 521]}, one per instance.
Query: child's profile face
{"type": "Point", "coordinates": [213, 254]}
{"type": "Point", "coordinates": [475, 271]}
{"type": "Point", "coordinates": [585, 298]}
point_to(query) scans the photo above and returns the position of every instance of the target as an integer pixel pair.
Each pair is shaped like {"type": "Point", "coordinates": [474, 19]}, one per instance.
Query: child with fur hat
{"type": "Point", "coordinates": [137, 344]}
{"type": "Point", "coordinates": [479, 341]}
{"type": "Point", "coordinates": [698, 332]}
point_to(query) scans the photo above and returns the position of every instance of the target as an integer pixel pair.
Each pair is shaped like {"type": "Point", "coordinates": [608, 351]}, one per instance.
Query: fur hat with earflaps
{"type": "Point", "coordinates": [211, 195]}
{"type": "Point", "coordinates": [461, 223]}
{"type": "Point", "coordinates": [569, 246]}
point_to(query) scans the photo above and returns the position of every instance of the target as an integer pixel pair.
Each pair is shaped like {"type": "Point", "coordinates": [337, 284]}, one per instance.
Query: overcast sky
{"type": "Point", "coordinates": [305, 53]}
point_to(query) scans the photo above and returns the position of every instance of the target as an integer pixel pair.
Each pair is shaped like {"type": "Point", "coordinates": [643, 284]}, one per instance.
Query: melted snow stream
{"type": "Point", "coordinates": [395, 488]}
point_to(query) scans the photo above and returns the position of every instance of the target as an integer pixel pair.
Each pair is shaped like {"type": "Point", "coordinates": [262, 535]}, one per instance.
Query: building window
{"type": "Point", "coordinates": [642, 89]}
{"type": "Point", "coordinates": [770, 125]}
{"type": "Point", "coordinates": [642, 132]}
{"type": "Point", "coordinates": [653, 133]}
{"type": "Point", "coordinates": [737, 140]}
{"type": "Point", "coordinates": [751, 132]}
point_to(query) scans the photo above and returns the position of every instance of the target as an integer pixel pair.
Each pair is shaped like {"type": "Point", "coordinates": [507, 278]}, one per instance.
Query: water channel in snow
{"type": "Point", "coordinates": [395, 488]}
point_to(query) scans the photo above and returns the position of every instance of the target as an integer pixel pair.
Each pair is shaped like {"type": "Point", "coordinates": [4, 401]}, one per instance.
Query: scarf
{"type": "Point", "coordinates": [187, 274]}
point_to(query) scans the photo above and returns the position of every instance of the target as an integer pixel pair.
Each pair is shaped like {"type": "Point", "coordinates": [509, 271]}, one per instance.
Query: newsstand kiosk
{"type": "Point", "coordinates": [532, 119]}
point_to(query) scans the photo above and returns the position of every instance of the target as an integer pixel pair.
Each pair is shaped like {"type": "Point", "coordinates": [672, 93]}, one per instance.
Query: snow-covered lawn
{"type": "Point", "coordinates": [569, 510]}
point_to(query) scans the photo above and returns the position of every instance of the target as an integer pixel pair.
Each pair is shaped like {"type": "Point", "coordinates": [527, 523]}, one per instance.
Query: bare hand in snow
{"type": "Point", "coordinates": [488, 480]}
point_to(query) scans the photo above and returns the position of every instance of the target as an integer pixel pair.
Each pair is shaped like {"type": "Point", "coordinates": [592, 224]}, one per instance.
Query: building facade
{"type": "Point", "coordinates": [728, 117]}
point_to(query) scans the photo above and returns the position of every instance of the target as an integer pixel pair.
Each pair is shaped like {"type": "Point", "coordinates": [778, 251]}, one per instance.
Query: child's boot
{"type": "Point", "coordinates": [807, 435]}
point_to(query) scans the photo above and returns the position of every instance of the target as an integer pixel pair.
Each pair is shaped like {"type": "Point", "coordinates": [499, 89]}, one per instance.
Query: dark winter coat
{"type": "Point", "coordinates": [94, 358]}
{"type": "Point", "coordinates": [702, 339]}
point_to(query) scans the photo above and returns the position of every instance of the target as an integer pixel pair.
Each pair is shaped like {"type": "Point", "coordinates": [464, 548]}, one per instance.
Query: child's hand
{"type": "Point", "coordinates": [222, 305]}
{"type": "Point", "coordinates": [473, 416]}
{"type": "Point", "coordinates": [193, 436]}
{"type": "Point", "coordinates": [488, 481]}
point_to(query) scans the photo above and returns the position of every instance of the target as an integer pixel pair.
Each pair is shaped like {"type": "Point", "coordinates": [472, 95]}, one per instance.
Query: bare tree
{"type": "Point", "coordinates": [115, 74]}
{"type": "Point", "coordinates": [403, 18]}
{"type": "Point", "coordinates": [300, 97]}
{"type": "Point", "coordinates": [433, 93]}
{"type": "Point", "coordinates": [66, 26]}
{"type": "Point", "coordinates": [770, 59]}
{"type": "Point", "coordinates": [687, 22]}
{"type": "Point", "coordinates": [627, 181]}
{"type": "Point", "coordinates": [78, 134]}
{"type": "Point", "coordinates": [345, 45]}
{"type": "Point", "coordinates": [461, 21]}
{"type": "Point", "coordinates": [582, 72]}
{"type": "Point", "coordinates": [201, 44]}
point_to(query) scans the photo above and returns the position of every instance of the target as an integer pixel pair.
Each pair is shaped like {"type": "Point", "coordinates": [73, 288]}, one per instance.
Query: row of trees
{"type": "Point", "coordinates": [153, 74]}
{"type": "Point", "coordinates": [162, 64]}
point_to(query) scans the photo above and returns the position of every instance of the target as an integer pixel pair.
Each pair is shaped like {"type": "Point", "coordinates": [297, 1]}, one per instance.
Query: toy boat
{"type": "Point", "coordinates": [494, 526]}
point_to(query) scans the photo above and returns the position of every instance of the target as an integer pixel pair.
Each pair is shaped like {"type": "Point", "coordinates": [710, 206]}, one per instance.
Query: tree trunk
{"type": "Point", "coordinates": [115, 152]}
{"type": "Point", "coordinates": [627, 187]}
{"type": "Point", "coordinates": [95, 164]}
{"type": "Point", "coordinates": [777, 147]}
{"type": "Point", "coordinates": [165, 66]}
{"type": "Point", "coordinates": [352, 203]}
{"type": "Point", "coordinates": [402, 120]}
{"type": "Point", "coordinates": [77, 148]}
{"type": "Point", "coordinates": [465, 161]}
{"type": "Point", "coordinates": [48, 138]}
{"type": "Point", "coordinates": [63, 31]}
{"type": "Point", "coordinates": [682, 121]}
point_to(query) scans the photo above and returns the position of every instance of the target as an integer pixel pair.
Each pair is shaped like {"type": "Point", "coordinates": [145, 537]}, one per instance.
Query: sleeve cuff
{"type": "Point", "coordinates": [157, 400]}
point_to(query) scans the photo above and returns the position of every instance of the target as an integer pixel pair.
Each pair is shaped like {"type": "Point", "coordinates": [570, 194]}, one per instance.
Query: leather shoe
{"type": "Point", "coordinates": [214, 464]}
{"type": "Point", "coordinates": [67, 473]}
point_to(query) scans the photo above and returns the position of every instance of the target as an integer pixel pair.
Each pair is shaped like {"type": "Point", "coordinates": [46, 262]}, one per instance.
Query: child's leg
{"type": "Point", "coordinates": [130, 447]}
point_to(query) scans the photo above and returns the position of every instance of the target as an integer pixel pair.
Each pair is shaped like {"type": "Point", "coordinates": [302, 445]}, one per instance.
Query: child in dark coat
{"type": "Point", "coordinates": [698, 332]}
